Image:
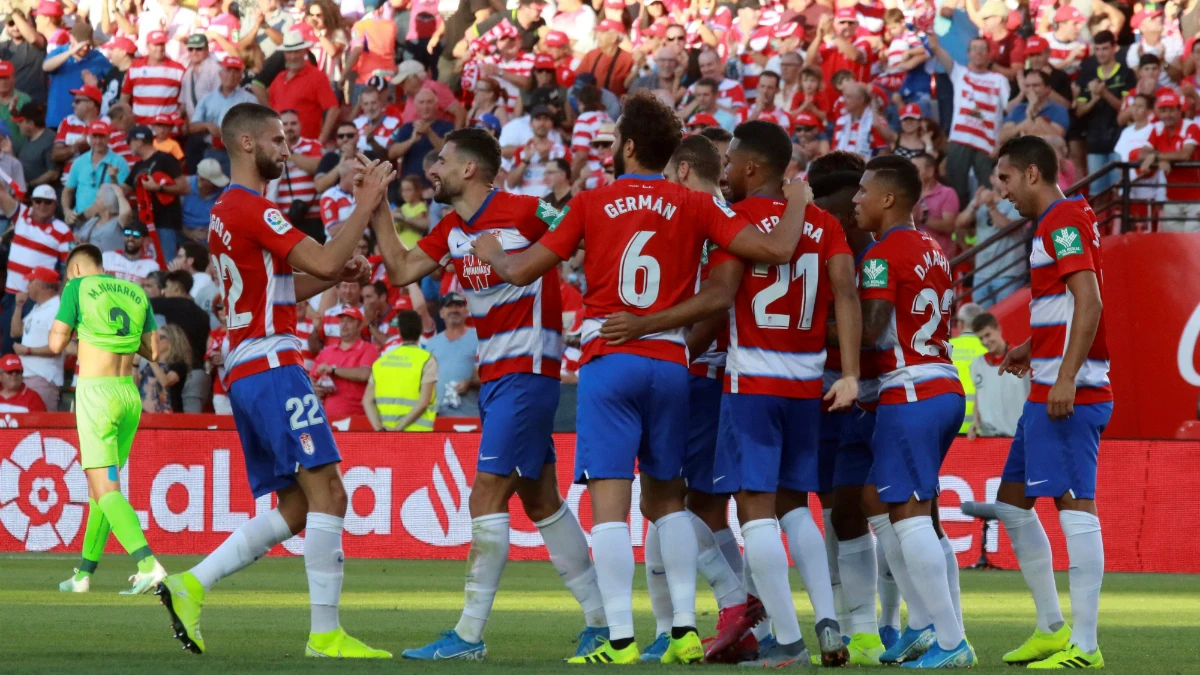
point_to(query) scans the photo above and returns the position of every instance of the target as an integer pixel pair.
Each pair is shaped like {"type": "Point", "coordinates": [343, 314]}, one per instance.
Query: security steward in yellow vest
{"type": "Point", "coordinates": [963, 350]}
{"type": "Point", "coordinates": [400, 392]}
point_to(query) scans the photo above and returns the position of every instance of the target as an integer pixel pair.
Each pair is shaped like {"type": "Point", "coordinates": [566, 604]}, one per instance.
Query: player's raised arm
{"type": "Point", "coordinates": [327, 261]}
{"type": "Point", "coordinates": [777, 246]}
{"type": "Point", "coordinates": [403, 266]}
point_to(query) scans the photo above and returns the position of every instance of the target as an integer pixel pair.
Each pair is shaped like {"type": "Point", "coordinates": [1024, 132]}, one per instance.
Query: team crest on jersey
{"type": "Point", "coordinates": [1067, 242]}
{"type": "Point", "coordinates": [547, 213]}
{"type": "Point", "coordinates": [559, 218]}
{"type": "Point", "coordinates": [306, 444]}
{"type": "Point", "coordinates": [724, 208]}
{"type": "Point", "coordinates": [875, 273]}
{"type": "Point", "coordinates": [275, 220]}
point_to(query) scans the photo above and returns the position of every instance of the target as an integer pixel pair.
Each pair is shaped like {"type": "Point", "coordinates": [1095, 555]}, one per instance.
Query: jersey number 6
{"type": "Point", "coordinates": [632, 261]}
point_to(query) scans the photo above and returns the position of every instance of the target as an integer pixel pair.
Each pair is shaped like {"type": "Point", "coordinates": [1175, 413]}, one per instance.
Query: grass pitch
{"type": "Point", "coordinates": [257, 621]}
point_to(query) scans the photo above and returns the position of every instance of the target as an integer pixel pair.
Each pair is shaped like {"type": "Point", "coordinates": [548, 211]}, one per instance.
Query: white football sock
{"type": "Point", "coordinates": [711, 564]}
{"type": "Point", "coordinates": [1032, 546]}
{"type": "Point", "coordinates": [835, 574]}
{"type": "Point", "coordinates": [485, 564]}
{"type": "Point", "coordinates": [856, 558]}
{"type": "Point", "coordinates": [248, 543]}
{"type": "Point", "coordinates": [768, 564]}
{"type": "Point", "coordinates": [927, 568]}
{"type": "Point", "coordinates": [612, 552]}
{"type": "Point", "coordinates": [731, 552]}
{"type": "Point", "coordinates": [323, 563]}
{"type": "Point", "coordinates": [889, 592]}
{"type": "Point", "coordinates": [679, 553]}
{"type": "Point", "coordinates": [918, 617]}
{"type": "Point", "coordinates": [568, 549]}
{"type": "Point", "coordinates": [1085, 546]}
{"type": "Point", "coordinates": [952, 580]}
{"type": "Point", "coordinates": [656, 583]}
{"type": "Point", "coordinates": [808, 552]}
{"type": "Point", "coordinates": [763, 629]}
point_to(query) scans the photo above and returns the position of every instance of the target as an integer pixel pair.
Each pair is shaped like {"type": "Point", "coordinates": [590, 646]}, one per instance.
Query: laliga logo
{"type": "Point", "coordinates": [421, 520]}
{"type": "Point", "coordinates": [34, 472]}
{"type": "Point", "coordinates": [1186, 354]}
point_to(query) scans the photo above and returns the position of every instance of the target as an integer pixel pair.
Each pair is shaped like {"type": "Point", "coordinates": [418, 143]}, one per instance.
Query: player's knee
{"type": "Point", "coordinates": [849, 522]}
{"type": "Point", "coordinates": [489, 494]}
{"type": "Point", "coordinates": [103, 480]}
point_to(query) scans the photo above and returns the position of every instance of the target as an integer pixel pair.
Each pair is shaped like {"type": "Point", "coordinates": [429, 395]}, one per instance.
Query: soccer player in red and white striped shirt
{"type": "Point", "coordinates": [297, 181]}
{"type": "Point", "coordinates": [39, 239]}
{"type": "Point", "coordinates": [153, 82]}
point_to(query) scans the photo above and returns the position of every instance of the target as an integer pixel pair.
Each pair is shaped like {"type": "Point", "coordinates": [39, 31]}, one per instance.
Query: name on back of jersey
{"type": "Point", "coordinates": [215, 226]}
{"type": "Point", "coordinates": [930, 259]}
{"type": "Point", "coordinates": [622, 205]}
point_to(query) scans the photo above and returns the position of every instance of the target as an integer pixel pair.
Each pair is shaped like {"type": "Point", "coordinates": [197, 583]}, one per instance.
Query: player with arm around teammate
{"type": "Point", "coordinates": [645, 238]}
{"type": "Point", "coordinates": [520, 350]}
{"type": "Point", "coordinates": [265, 267]}
{"type": "Point", "coordinates": [114, 322]}
{"type": "Point", "coordinates": [907, 297]}
{"type": "Point", "coordinates": [1054, 453]}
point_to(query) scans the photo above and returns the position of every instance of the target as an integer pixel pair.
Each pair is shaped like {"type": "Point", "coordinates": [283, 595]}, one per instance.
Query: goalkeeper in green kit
{"type": "Point", "coordinates": [114, 322]}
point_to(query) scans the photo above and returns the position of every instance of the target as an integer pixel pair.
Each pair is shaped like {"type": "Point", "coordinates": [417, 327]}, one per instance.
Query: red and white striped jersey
{"type": "Point", "coordinates": [218, 343]}
{"type": "Point", "coordinates": [121, 267]}
{"type": "Point", "coordinates": [908, 269]}
{"type": "Point", "coordinates": [304, 328]}
{"type": "Point", "coordinates": [1067, 241]}
{"type": "Point", "coordinates": [778, 117]}
{"type": "Point", "coordinates": [730, 94]}
{"type": "Point", "coordinates": [587, 125]}
{"type": "Point", "coordinates": [303, 185]}
{"type": "Point", "coordinates": [519, 328]}
{"type": "Point", "coordinates": [331, 323]}
{"type": "Point", "coordinates": [645, 240]}
{"type": "Point", "coordinates": [382, 132]}
{"type": "Point", "coordinates": [721, 21]}
{"type": "Point", "coordinates": [870, 17]}
{"type": "Point", "coordinates": [119, 144]}
{"type": "Point", "coordinates": [34, 245]}
{"type": "Point", "coordinates": [1060, 51]}
{"type": "Point", "coordinates": [227, 26]}
{"type": "Point", "coordinates": [153, 88]}
{"type": "Point", "coordinates": [777, 321]}
{"type": "Point", "coordinates": [759, 43]}
{"type": "Point", "coordinates": [858, 136]}
{"type": "Point", "coordinates": [534, 183]}
{"type": "Point", "coordinates": [249, 240]}
{"type": "Point", "coordinates": [979, 100]}
{"type": "Point", "coordinates": [72, 130]}
{"type": "Point", "coordinates": [892, 78]}
{"type": "Point", "coordinates": [521, 66]}
{"type": "Point", "coordinates": [920, 13]}
{"type": "Point", "coordinates": [336, 206]}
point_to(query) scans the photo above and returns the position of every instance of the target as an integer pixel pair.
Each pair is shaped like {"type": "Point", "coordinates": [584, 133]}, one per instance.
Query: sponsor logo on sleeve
{"type": "Point", "coordinates": [547, 213]}
{"type": "Point", "coordinates": [558, 218]}
{"type": "Point", "coordinates": [275, 220]}
{"type": "Point", "coordinates": [1067, 242]}
{"type": "Point", "coordinates": [875, 273]}
{"type": "Point", "coordinates": [724, 207]}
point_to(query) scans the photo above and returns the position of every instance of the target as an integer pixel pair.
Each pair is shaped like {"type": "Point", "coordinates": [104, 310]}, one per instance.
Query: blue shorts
{"type": "Point", "coordinates": [282, 427]}
{"type": "Point", "coordinates": [854, 457]}
{"type": "Point", "coordinates": [633, 412]}
{"type": "Point", "coordinates": [517, 415]}
{"type": "Point", "coordinates": [767, 443]}
{"type": "Point", "coordinates": [832, 428]}
{"type": "Point", "coordinates": [1054, 458]}
{"type": "Point", "coordinates": [704, 397]}
{"type": "Point", "coordinates": [910, 442]}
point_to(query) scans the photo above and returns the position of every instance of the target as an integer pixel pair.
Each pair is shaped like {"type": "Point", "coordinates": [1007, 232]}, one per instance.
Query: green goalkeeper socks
{"type": "Point", "coordinates": [125, 525]}
{"type": "Point", "coordinates": [95, 538]}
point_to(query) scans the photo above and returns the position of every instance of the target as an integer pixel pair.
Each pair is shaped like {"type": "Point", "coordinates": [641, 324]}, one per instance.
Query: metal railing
{"type": "Point", "coordinates": [1117, 212]}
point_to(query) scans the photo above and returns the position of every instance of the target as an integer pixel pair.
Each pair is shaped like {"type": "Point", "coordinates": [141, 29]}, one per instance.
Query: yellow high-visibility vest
{"type": "Point", "coordinates": [963, 350]}
{"type": "Point", "coordinates": [398, 387]}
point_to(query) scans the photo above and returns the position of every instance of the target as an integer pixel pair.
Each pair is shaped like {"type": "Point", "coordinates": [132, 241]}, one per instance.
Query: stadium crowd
{"type": "Point", "coordinates": [110, 113]}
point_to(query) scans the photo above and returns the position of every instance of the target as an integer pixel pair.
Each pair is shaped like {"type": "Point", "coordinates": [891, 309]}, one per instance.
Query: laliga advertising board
{"type": "Point", "coordinates": [409, 495]}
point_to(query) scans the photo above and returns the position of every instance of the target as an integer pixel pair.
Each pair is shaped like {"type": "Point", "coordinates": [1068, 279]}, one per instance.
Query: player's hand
{"type": "Point", "coordinates": [622, 327]}
{"type": "Point", "coordinates": [843, 392]}
{"type": "Point", "coordinates": [798, 190]}
{"type": "Point", "coordinates": [374, 184]}
{"type": "Point", "coordinates": [1060, 402]}
{"type": "Point", "coordinates": [973, 431]}
{"type": "Point", "coordinates": [21, 298]}
{"type": "Point", "coordinates": [357, 269]}
{"type": "Point", "coordinates": [487, 248]}
{"type": "Point", "coordinates": [1016, 362]}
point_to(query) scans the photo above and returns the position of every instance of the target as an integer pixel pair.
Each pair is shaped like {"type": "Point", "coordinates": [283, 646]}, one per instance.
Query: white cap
{"type": "Point", "coordinates": [210, 170]}
{"type": "Point", "coordinates": [44, 192]}
{"type": "Point", "coordinates": [407, 69]}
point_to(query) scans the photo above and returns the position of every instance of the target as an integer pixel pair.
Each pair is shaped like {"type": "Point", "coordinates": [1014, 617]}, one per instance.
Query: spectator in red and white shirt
{"type": "Point", "coordinates": [15, 397]}
{"type": "Point", "coordinates": [337, 203]}
{"type": "Point", "coordinates": [1148, 25]}
{"type": "Point", "coordinates": [153, 83]}
{"type": "Point", "coordinates": [221, 28]}
{"type": "Point", "coordinates": [904, 53]}
{"type": "Point", "coordinates": [39, 239]}
{"type": "Point", "coordinates": [528, 175]}
{"type": "Point", "coordinates": [751, 41]}
{"type": "Point", "coordinates": [861, 129]}
{"type": "Point", "coordinates": [591, 119]}
{"type": "Point", "coordinates": [1173, 140]}
{"type": "Point", "coordinates": [764, 103]}
{"type": "Point", "coordinates": [1007, 48]}
{"type": "Point", "coordinates": [836, 46]}
{"type": "Point", "coordinates": [511, 67]}
{"type": "Point", "coordinates": [602, 147]}
{"type": "Point", "coordinates": [1067, 51]}
{"type": "Point", "coordinates": [72, 138]}
{"type": "Point", "coordinates": [375, 127]}
{"type": "Point", "coordinates": [214, 360]}
{"type": "Point", "coordinates": [730, 95]}
{"type": "Point", "coordinates": [707, 24]}
{"type": "Point", "coordinates": [346, 295]}
{"type": "Point", "coordinates": [297, 182]}
{"type": "Point", "coordinates": [378, 313]}
{"type": "Point", "coordinates": [1149, 78]}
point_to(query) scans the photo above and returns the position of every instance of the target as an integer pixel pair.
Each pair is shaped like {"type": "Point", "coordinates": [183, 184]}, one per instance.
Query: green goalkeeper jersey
{"type": "Point", "coordinates": [107, 313]}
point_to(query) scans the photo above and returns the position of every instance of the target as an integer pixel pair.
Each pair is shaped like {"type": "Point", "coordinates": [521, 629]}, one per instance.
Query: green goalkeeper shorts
{"type": "Point", "coordinates": [107, 411]}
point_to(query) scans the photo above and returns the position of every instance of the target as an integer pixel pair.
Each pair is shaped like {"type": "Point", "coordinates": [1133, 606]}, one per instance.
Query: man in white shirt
{"type": "Point", "coordinates": [43, 368]}
{"type": "Point", "coordinates": [192, 257]}
{"type": "Point", "coordinates": [999, 399]}
{"type": "Point", "coordinates": [130, 263]}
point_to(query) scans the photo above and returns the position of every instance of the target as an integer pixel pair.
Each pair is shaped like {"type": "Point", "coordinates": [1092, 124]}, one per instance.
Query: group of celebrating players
{"type": "Point", "coordinates": [793, 341]}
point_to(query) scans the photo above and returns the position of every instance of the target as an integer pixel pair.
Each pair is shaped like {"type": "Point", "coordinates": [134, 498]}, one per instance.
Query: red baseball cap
{"type": "Point", "coordinates": [610, 24]}
{"type": "Point", "coordinates": [1036, 45]}
{"type": "Point", "coordinates": [162, 119]}
{"type": "Point", "coordinates": [607, 162]}
{"type": "Point", "coordinates": [233, 62]}
{"type": "Point", "coordinates": [1138, 18]}
{"type": "Point", "coordinates": [403, 303]}
{"type": "Point", "coordinates": [911, 111]}
{"type": "Point", "coordinates": [1068, 13]}
{"type": "Point", "coordinates": [11, 363]}
{"type": "Point", "coordinates": [352, 312]}
{"type": "Point", "coordinates": [787, 29]}
{"type": "Point", "coordinates": [657, 30]}
{"type": "Point", "coordinates": [806, 120]}
{"type": "Point", "coordinates": [846, 14]}
{"type": "Point", "coordinates": [99, 128]}
{"type": "Point", "coordinates": [91, 91]}
{"type": "Point", "coordinates": [614, 4]}
{"type": "Point", "coordinates": [1168, 99]}
{"type": "Point", "coordinates": [557, 38]}
{"type": "Point", "coordinates": [543, 62]}
{"type": "Point", "coordinates": [703, 120]}
{"type": "Point", "coordinates": [157, 37]}
{"type": "Point", "coordinates": [122, 43]}
{"type": "Point", "coordinates": [566, 76]}
{"type": "Point", "coordinates": [43, 274]}
{"type": "Point", "coordinates": [6, 69]}
{"type": "Point", "coordinates": [201, 4]}
{"type": "Point", "coordinates": [49, 8]}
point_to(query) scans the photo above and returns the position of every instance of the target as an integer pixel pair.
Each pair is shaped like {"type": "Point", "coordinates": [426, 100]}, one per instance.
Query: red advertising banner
{"type": "Point", "coordinates": [409, 495]}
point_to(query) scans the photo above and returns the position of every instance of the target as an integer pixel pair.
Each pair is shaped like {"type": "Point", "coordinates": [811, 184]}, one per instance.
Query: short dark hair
{"type": "Point", "coordinates": [701, 155]}
{"type": "Point", "coordinates": [564, 165]}
{"type": "Point", "coordinates": [925, 157]}
{"type": "Point", "coordinates": [244, 118]}
{"type": "Point", "coordinates": [652, 126]}
{"type": "Point", "coordinates": [813, 73]}
{"type": "Point", "coordinates": [985, 320]}
{"type": "Point", "coordinates": [381, 288]}
{"type": "Point", "coordinates": [1023, 151]}
{"type": "Point", "coordinates": [841, 76]}
{"type": "Point", "coordinates": [590, 98]}
{"type": "Point", "coordinates": [838, 160]}
{"type": "Point", "coordinates": [89, 251]}
{"type": "Point", "coordinates": [197, 252]}
{"type": "Point", "coordinates": [479, 146]}
{"type": "Point", "coordinates": [408, 323]}
{"type": "Point", "coordinates": [1034, 71]}
{"type": "Point", "coordinates": [900, 174]}
{"type": "Point", "coordinates": [1148, 99]}
{"type": "Point", "coordinates": [1104, 37]}
{"type": "Point", "coordinates": [34, 113]}
{"type": "Point", "coordinates": [838, 170]}
{"type": "Point", "coordinates": [1149, 60]}
{"type": "Point", "coordinates": [157, 277]}
{"type": "Point", "coordinates": [708, 82]}
{"type": "Point", "coordinates": [184, 279]}
{"type": "Point", "coordinates": [715, 134]}
{"type": "Point", "coordinates": [770, 73]}
{"type": "Point", "coordinates": [768, 141]}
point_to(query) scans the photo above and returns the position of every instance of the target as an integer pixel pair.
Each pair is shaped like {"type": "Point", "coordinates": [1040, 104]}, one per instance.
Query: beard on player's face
{"type": "Point", "coordinates": [618, 161]}
{"type": "Point", "coordinates": [267, 166]}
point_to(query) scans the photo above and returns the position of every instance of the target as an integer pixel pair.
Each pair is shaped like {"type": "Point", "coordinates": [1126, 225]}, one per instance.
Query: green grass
{"type": "Point", "coordinates": [257, 620]}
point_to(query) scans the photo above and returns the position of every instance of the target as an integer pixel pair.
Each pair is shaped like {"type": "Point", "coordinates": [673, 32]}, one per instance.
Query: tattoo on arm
{"type": "Point", "coordinates": [877, 314]}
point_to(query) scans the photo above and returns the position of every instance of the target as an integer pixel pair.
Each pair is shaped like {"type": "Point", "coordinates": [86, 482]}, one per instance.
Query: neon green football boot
{"type": "Point", "coordinates": [865, 649]}
{"type": "Point", "coordinates": [336, 644]}
{"type": "Point", "coordinates": [1040, 646]}
{"type": "Point", "coordinates": [606, 654]}
{"type": "Point", "coordinates": [687, 649]}
{"type": "Point", "coordinates": [183, 596]}
{"type": "Point", "coordinates": [1071, 657]}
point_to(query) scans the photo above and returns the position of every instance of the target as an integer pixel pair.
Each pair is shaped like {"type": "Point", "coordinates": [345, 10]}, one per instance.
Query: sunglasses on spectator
{"type": "Point", "coordinates": [197, 49]}
{"type": "Point", "coordinates": [677, 38]}
{"type": "Point", "coordinates": [345, 136]}
{"type": "Point", "coordinates": [43, 201]}
{"type": "Point", "coordinates": [602, 144]}
{"type": "Point", "coordinates": [133, 233]}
